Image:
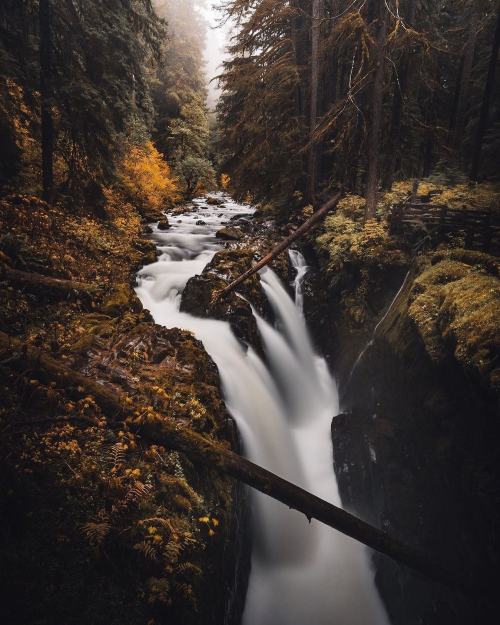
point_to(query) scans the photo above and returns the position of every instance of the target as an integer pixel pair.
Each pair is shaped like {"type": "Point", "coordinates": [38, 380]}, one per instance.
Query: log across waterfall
{"type": "Point", "coordinates": [301, 572]}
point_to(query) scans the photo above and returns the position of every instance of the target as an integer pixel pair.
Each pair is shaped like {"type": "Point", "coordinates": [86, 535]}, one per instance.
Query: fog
{"type": "Point", "coordinates": [216, 42]}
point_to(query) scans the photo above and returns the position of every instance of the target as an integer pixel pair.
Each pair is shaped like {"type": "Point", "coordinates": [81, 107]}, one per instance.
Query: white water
{"type": "Point", "coordinates": [302, 574]}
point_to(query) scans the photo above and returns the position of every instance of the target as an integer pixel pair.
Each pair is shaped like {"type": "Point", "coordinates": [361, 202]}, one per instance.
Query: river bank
{"type": "Point", "coordinates": [125, 529]}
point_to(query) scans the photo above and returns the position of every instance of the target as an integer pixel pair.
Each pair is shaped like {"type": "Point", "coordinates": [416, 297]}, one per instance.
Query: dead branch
{"type": "Point", "coordinates": [316, 218]}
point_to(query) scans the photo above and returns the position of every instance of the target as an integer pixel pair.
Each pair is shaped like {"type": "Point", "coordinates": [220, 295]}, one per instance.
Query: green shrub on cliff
{"type": "Point", "coordinates": [455, 305]}
{"type": "Point", "coordinates": [347, 239]}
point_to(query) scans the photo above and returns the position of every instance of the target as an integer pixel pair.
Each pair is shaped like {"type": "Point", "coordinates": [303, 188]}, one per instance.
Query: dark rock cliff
{"type": "Point", "coordinates": [415, 450]}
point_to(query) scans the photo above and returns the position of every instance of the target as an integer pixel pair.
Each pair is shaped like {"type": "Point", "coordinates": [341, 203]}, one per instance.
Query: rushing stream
{"type": "Point", "coordinates": [302, 573]}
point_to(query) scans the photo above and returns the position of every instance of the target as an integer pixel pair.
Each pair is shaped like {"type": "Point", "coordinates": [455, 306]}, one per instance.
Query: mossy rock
{"type": "Point", "coordinates": [229, 234]}
{"type": "Point", "coordinates": [121, 299]}
{"type": "Point", "coordinates": [199, 298]}
{"type": "Point", "coordinates": [455, 307]}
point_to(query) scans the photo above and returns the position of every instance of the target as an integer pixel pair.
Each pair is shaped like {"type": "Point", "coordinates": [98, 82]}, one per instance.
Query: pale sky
{"type": "Point", "coordinates": [217, 39]}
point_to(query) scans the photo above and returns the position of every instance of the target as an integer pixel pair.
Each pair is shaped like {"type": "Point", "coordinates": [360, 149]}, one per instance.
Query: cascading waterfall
{"type": "Point", "coordinates": [302, 573]}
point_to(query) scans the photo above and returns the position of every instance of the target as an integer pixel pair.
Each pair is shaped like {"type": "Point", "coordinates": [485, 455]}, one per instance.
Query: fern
{"type": "Point", "coordinates": [137, 493]}
{"type": "Point", "coordinates": [172, 551]}
{"type": "Point", "coordinates": [116, 455]}
{"type": "Point", "coordinates": [96, 533]}
{"type": "Point", "coordinates": [147, 549]}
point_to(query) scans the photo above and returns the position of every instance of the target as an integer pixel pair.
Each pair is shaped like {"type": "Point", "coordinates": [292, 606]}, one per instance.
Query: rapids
{"type": "Point", "coordinates": [302, 573]}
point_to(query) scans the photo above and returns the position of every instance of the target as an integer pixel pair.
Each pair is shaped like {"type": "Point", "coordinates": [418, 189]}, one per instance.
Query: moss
{"type": "Point", "coordinates": [455, 307]}
{"type": "Point", "coordinates": [96, 510]}
{"type": "Point", "coordinates": [121, 298]}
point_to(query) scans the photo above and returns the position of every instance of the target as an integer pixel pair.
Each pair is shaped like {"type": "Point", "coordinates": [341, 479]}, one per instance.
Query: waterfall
{"type": "Point", "coordinates": [301, 572]}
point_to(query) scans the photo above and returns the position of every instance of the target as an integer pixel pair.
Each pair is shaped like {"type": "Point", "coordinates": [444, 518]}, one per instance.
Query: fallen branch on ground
{"type": "Point", "coordinates": [46, 284]}
{"type": "Point", "coordinates": [46, 368]}
{"type": "Point", "coordinates": [316, 218]}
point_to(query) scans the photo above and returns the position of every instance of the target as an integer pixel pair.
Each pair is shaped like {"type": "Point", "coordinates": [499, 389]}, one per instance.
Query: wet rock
{"type": "Point", "coordinates": [147, 230]}
{"type": "Point", "coordinates": [407, 452]}
{"type": "Point", "coordinates": [214, 201]}
{"type": "Point", "coordinates": [200, 222]}
{"type": "Point", "coordinates": [163, 224]}
{"type": "Point", "coordinates": [200, 295]}
{"type": "Point", "coordinates": [229, 234]}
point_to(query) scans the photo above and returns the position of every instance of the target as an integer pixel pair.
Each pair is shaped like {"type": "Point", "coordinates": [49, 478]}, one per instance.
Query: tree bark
{"type": "Point", "coordinates": [400, 90]}
{"type": "Point", "coordinates": [486, 103]}
{"type": "Point", "coordinates": [376, 119]}
{"type": "Point", "coordinates": [204, 451]}
{"type": "Point", "coordinates": [42, 366]}
{"type": "Point", "coordinates": [46, 96]}
{"type": "Point", "coordinates": [318, 216]}
{"type": "Point", "coordinates": [48, 285]}
{"type": "Point", "coordinates": [465, 80]}
{"type": "Point", "coordinates": [313, 112]}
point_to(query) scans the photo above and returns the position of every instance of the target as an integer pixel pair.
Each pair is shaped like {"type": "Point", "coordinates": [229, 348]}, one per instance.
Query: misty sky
{"type": "Point", "coordinates": [217, 39]}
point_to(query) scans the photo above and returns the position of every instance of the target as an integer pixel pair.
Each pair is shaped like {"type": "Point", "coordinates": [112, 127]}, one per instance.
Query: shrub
{"type": "Point", "coordinates": [146, 177]}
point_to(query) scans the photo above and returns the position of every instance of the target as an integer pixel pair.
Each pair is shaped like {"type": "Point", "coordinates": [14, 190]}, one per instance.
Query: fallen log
{"type": "Point", "coordinates": [44, 367]}
{"type": "Point", "coordinates": [48, 284]}
{"type": "Point", "coordinates": [204, 451]}
{"type": "Point", "coordinates": [316, 218]}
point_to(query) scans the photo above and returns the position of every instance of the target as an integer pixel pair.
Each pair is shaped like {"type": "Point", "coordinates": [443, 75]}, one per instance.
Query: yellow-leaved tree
{"type": "Point", "coordinates": [147, 178]}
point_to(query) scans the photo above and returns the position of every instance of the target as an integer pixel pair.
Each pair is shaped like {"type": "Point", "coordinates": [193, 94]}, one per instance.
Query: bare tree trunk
{"type": "Point", "coordinates": [465, 80]}
{"type": "Point", "coordinates": [313, 113]}
{"type": "Point", "coordinates": [44, 13]}
{"type": "Point", "coordinates": [400, 90]}
{"type": "Point", "coordinates": [300, 232]}
{"type": "Point", "coordinates": [376, 119]}
{"type": "Point", "coordinates": [485, 105]}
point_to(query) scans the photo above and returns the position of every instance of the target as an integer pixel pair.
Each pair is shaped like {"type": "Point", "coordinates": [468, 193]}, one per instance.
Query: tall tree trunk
{"type": "Point", "coordinates": [400, 90]}
{"type": "Point", "coordinates": [46, 98]}
{"type": "Point", "coordinates": [465, 80]}
{"type": "Point", "coordinates": [313, 112]}
{"type": "Point", "coordinates": [485, 105]}
{"type": "Point", "coordinates": [299, 43]}
{"type": "Point", "coordinates": [376, 118]}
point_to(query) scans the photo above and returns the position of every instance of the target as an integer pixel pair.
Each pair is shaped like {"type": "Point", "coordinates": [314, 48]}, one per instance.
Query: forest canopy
{"type": "Point", "coordinates": [319, 93]}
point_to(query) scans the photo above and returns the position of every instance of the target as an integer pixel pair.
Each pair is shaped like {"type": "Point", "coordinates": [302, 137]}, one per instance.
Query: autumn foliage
{"type": "Point", "coordinates": [146, 177]}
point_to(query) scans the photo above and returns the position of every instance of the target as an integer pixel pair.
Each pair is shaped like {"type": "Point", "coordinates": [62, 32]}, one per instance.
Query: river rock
{"type": "Point", "coordinates": [200, 222]}
{"type": "Point", "coordinates": [214, 201]}
{"type": "Point", "coordinates": [163, 224]}
{"type": "Point", "coordinates": [229, 234]}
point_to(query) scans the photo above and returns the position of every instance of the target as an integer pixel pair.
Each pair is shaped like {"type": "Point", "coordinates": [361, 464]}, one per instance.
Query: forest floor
{"type": "Point", "coordinates": [99, 523]}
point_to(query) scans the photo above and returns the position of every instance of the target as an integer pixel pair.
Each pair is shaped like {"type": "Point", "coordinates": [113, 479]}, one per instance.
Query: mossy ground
{"type": "Point", "coordinates": [455, 303]}
{"type": "Point", "coordinates": [98, 524]}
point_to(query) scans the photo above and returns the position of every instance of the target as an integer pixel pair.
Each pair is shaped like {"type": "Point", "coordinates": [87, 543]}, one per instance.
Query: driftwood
{"type": "Point", "coordinates": [316, 218]}
{"type": "Point", "coordinates": [204, 451]}
{"type": "Point", "coordinates": [47, 284]}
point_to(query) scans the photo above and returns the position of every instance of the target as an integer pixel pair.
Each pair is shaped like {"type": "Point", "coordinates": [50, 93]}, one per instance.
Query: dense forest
{"type": "Point", "coordinates": [213, 319]}
{"type": "Point", "coordinates": [318, 94]}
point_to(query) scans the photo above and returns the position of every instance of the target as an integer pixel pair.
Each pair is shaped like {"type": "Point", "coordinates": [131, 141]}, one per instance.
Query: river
{"type": "Point", "coordinates": [302, 573]}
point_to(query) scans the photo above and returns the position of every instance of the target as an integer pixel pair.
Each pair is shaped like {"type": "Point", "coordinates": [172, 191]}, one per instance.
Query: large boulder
{"type": "Point", "coordinates": [229, 234]}
{"type": "Point", "coordinates": [200, 295]}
